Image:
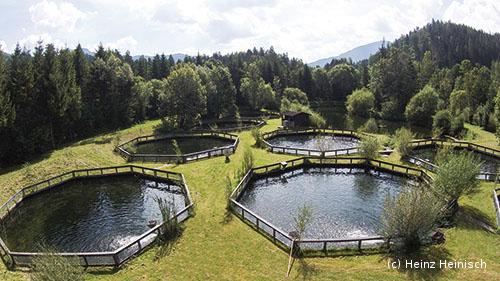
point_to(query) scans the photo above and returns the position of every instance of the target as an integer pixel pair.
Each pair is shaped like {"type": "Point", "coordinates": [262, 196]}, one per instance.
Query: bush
{"type": "Point", "coordinates": [177, 152]}
{"type": "Point", "coordinates": [410, 215]}
{"type": "Point", "coordinates": [492, 124]}
{"type": "Point", "coordinates": [369, 148]}
{"type": "Point", "coordinates": [390, 110]}
{"type": "Point", "coordinates": [361, 103]}
{"type": "Point", "coordinates": [257, 136]}
{"type": "Point", "coordinates": [247, 164]}
{"type": "Point", "coordinates": [422, 106]}
{"type": "Point", "coordinates": [403, 138]}
{"type": "Point", "coordinates": [317, 120]}
{"type": "Point", "coordinates": [52, 267]}
{"type": "Point", "coordinates": [442, 121]}
{"type": "Point", "coordinates": [370, 127]}
{"type": "Point", "coordinates": [457, 174]}
{"type": "Point", "coordinates": [171, 228]}
{"type": "Point", "coordinates": [457, 126]}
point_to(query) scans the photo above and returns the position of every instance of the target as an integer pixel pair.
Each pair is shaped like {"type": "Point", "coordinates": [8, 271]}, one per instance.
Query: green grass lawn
{"type": "Point", "coordinates": [219, 246]}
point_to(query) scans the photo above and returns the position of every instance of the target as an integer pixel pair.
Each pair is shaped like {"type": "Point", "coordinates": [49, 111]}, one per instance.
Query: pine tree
{"type": "Point", "coordinates": [80, 65]}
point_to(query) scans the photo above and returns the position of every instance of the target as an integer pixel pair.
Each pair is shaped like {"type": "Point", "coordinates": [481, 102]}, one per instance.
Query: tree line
{"type": "Point", "coordinates": [50, 97]}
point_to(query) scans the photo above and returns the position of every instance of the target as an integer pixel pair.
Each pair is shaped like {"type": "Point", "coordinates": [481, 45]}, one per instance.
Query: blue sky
{"type": "Point", "coordinates": [309, 30]}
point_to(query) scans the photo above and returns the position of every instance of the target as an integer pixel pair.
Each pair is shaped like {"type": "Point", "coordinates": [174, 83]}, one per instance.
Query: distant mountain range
{"type": "Point", "coordinates": [357, 54]}
{"type": "Point", "coordinates": [176, 57]}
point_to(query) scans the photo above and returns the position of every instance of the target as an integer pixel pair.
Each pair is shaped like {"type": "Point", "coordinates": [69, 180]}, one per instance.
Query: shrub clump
{"type": "Point", "coordinates": [410, 215]}
{"type": "Point", "coordinates": [370, 127]}
{"type": "Point", "coordinates": [369, 148]}
{"type": "Point", "coordinates": [361, 103]}
{"type": "Point", "coordinates": [52, 267]}
{"type": "Point", "coordinates": [403, 138]}
{"type": "Point", "coordinates": [457, 174]}
{"type": "Point", "coordinates": [257, 136]}
{"type": "Point", "coordinates": [247, 163]}
{"type": "Point", "coordinates": [171, 228]}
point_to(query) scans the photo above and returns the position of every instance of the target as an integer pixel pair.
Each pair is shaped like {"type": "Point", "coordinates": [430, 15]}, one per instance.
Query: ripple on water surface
{"type": "Point", "coordinates": [489, 165]}
{"type": "Point", "coordinates": [88, 215]}
{"type": "Point", "coordinates": [186, 145]}
{"type": "Point", "coordinates": [344, 204]}
{"type": "Point", "coordinates": [311, 141]}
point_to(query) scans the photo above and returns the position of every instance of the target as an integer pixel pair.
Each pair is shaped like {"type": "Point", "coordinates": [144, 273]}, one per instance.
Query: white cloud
{"type": "Point", "coordinates": [481, 14]}
{"type": "Point", "coordinates": [3, 46]}
{"type": "Point", "coordinates": [307, 29]}
{"type": "Point", "coordinates": [123, 44]}
{"type": "Point", "coordinates": [59, 16]}
{"type": "Point", "coordinates": [32, 40]}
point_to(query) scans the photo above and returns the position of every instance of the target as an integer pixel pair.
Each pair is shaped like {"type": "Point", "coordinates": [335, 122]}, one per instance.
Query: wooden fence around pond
{"type": "Point", "coordinates": [488, 176]}
{"type": "Point", "coordinates": [278, 235]}
{"type": "Point", "coordinates": [173, 158]}
{"type": "Point", "coordinates": [457, 144]}
{"type": "Point", "coordinates": [111, 258]}
{"type": "Point", "coordinates": [311, 152]}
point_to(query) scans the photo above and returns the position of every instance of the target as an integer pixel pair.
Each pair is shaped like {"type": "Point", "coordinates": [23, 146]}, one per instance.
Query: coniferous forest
{"type": "Point", "coordinates": [441, 75]}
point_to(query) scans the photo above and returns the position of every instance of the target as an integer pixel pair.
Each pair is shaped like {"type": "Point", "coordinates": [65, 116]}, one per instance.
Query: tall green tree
{"type": "Point", "coordinates": [221, 100]}
{"type": "Point", "coordinates": [258, 94]}
{"type": "Point", "coordinates": [322, 87]}
{"type": "Point", "coordinates": [7, 110]}
{"type": "Point", "coordinates": [422, 107]}
{"type": "Point", "coordinates": [185, 100]}
{"type": "Point", "coordinates": [394, 82]}
{"type": "Point", "coordinates": [80, 65]}
{"type": "Point", "coordinates": [427, 68]}
{"type": "Point", "coordinates": [343, 80]}
{"type": "Point", "coordinates": [64, 104]}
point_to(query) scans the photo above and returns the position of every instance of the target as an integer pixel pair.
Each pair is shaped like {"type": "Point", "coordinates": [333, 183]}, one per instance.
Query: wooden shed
{"type": "Point", "coordinates": [294, 119]}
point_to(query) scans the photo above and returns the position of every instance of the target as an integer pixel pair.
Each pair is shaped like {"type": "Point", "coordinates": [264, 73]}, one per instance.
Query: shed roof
{"type": "Point", "coordinates": [293, 113]}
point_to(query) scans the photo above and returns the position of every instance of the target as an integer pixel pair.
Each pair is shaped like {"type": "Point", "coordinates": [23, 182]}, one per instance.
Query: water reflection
{"type": "Point", "coordinates": [88, 215]}
{"type": "Point", "coordinates": [345, 204]}
{"type": "Point", "coordinates": [337, 118]}
{"type": "Point", "coordinates": [313, 141]}
{"type": "Point", "coordinates": [490, 164]}
{"type": "Point", "coordinates": [186, 145]}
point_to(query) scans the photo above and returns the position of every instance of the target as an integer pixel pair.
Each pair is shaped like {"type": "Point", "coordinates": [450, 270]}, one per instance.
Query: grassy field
{"type": "Point", "coordinates": [219, 246]}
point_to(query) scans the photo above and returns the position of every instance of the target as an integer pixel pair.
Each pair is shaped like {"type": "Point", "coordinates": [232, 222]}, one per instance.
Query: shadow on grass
{"type": "Point", "coordinates": [95, 140]}
{"type": "Point", "coordinates": [7, 261]}
{"type": "Point", "coordinates": [227, 218]}
{"type": "Point", "coordinates": [305, 271]}
{"type": "Point", "coordinates": [477, 214]}
{"type": "Point", "coordinates": [166, 247]}
{"type": "Point", "coordinates": [424, 256]}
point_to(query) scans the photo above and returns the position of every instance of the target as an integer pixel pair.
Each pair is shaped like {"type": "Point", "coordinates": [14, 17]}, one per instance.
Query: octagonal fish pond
{"type": "Point", "coordinates": [190, 147]}
{"type": "Point", "coordinates": [102, 216]}
{"type": "Point", "coordinates": [313, 142]}
{"type": "Point", "coordinates": [425, 151]}
{"type": "Point", "coordinates": [345, 195]}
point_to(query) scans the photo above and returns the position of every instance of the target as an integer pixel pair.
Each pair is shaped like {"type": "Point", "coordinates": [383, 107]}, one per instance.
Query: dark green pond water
{"type": "Point", "coordinates": [490, 164]}
{"type": "Point", "coordinates": [187, 145]}
{"type": "Point", "coordinates": [88, 215]}
{"type": "Point", "coordinates": [314, 141]}
{"type": "Point", "coordinates": [225, 125]}
{"type": "Point", "coordinates": [336, 118]}
{"type": "Point", "coordinates": [344, 204]}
